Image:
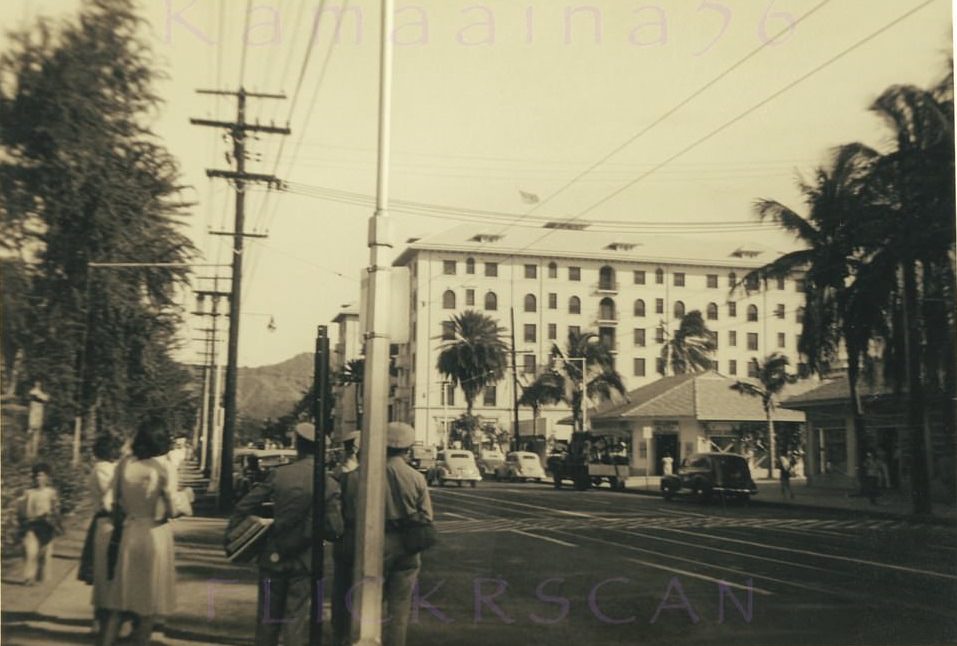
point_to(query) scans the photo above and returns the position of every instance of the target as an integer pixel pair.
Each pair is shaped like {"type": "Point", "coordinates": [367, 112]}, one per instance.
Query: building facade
{"type": "Point", "coordinates": [348, 347]}
{"type": "Point", "coordinates": [630, 290]}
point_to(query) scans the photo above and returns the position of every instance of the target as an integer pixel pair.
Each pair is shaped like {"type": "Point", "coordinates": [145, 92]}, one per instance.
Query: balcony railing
{"type": "Point", "coordinates": [607, 287]}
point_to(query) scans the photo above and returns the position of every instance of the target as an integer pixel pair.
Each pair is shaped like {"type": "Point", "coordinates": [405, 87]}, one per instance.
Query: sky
{"type": "Point", "coordinates": [679, 111]}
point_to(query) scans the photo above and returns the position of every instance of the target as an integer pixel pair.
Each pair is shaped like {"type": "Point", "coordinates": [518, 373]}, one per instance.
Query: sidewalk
{"type": "Point", "coordinates": [889, 505]}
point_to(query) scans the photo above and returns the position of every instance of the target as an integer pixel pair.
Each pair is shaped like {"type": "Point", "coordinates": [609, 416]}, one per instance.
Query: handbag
{"type": "Point", "coordinates": [417, 530]}
{"type": "Point", "coordinates": [113, 550]}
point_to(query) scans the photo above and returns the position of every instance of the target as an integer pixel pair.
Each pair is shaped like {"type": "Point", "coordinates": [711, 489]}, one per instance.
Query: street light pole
{"type": "Point", "coordinates": [366, 618]}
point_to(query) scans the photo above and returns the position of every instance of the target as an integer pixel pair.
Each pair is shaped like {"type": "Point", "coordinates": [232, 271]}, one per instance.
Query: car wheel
{"type": "Point", "coordinates": [702, 491]}
{"type": "Point", "coordinates": [668, 492]}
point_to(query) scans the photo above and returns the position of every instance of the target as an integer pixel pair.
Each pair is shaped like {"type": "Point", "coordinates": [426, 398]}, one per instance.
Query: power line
{"type": "Point", "coordinates": [245, 43]}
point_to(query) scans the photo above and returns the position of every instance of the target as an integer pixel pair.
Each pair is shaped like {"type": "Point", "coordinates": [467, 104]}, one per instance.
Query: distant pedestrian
{"type": "Point", "coordinates": [785, 466]}
{"type": "Point", "coordinates": [143, 570]}
{"type": "Point", "coordinates": [39, 516]}
{"type": "Point", "coordinates": [667, 464]}
{"type": "Point", "coordinates": [285, 561]}
{"type": "Point", "coordinates": [407, 496]}
{"type": "Point", "coordinates": [872, 477]}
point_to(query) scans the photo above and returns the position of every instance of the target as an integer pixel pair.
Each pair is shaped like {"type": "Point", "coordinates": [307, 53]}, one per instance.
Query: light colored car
{"type": "Point", "coordinates": [489, 462]}
{"type": "Point", "coordinates": [521, 465]}
{"type": "Point", "coordinates": [454, 465]}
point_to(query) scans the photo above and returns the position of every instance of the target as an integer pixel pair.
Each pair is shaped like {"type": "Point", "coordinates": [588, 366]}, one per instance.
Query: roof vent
{"type": "Point", "coordinates": [742, 252]}
{"type": "Point", "coordinates": [570, 226]}
{"type": "Point", "coordinates": [485, 237]}
{"type": "Point", "coordinates": [621, 246]}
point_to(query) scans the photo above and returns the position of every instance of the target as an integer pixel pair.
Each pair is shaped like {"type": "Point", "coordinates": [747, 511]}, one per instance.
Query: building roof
{"type": "Point", "coordinates": [597, 245]}
{"type": "Point", "coordinates": [705, 396]}
{"type": "Point", "coordinates": [346, 315]}
{"type": "Point", "coordinates": [837, 391]}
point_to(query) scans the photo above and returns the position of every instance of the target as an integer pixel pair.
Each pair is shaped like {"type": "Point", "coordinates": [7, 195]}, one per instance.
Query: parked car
{"type": "Point", "coordinates": [422, 458]}
{"type": "Point", "coordinates": [489, 462]}
{"type": "Point", "coordinates": [454, 465]}
{"type": "Point", "coordinates": [705, 474]}
{"type": "Point", "coordinates": [521, 465]}
{"type": "Point", "coordinates": [251, 466]}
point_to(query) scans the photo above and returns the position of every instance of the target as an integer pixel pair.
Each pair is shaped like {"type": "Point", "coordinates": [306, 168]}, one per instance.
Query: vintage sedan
{"type": "Point", "coordinates": [489, 461]}
{"type": "Point", "coordinates": [704, 475]}
{"type": "Point", "coordinates": [251, 466]}
{"type": "Point", "coordinates": [454, 465]}
{"type": "Point", "coordinates": [521, 466]}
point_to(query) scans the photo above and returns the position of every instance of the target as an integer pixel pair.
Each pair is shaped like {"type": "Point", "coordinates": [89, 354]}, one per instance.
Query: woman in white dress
{"type": "Point", "coordinates": [144, 576]}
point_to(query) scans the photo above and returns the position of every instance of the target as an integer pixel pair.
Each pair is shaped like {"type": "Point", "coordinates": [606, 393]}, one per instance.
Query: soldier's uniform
{"type": "Point", "coordinates": [285, 561]}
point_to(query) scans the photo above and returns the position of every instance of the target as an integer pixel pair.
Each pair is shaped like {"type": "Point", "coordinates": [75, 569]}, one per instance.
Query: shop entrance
{"type": "Point", "coordinates": [666, 444]}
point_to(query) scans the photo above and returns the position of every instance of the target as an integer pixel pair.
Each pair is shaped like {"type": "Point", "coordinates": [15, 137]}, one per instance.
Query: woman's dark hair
{"type": "Point", "coordinates": [151, 440]}
{"type": "Point", "coordinates": [105, 448]}
{"type": "Point", "coordinates": [41, 467]}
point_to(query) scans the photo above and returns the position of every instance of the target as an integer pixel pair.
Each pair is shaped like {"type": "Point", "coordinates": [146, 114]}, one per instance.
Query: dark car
{"type": "Point", "coordinates": [704, 475]}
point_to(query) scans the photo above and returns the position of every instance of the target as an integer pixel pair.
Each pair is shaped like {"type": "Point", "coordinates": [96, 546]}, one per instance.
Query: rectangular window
{"type": "Point", "coordinates": [659, 335]}
{"type": "Point", "coordinates": [781, 283]}
{"type": "Point", "coordinates": [714, 338]}
{"type": "Point", "coordinates": [491, 269]}
{"type": "Point", "coordinates": [799, 285]}
{"type": "Point", "coordinates": [640, 337]}
{"type": "Point", "coordinates": [449, 395]}
{"type": "Point", "coordinates": [470, 297]}
{"type": "Point", "coordinates": [659, 277]}
{"type": "Point", "coordinates": [488, 397]}
{"type": "Point", "coordinates": [732, 309]}
{"type": "Point", "coordinates": [530, 335]}
{"type": "Point", "coordinates": [659, 306]}
{"type": "Point", "coordinates": [752, 283]}
{"type": "Point", "coordinates": [781, 341]}
{"type": "Point", "coordinates": [733, 339]}
{"type": "Point", "coordinates": [753, 368]}
{"type": "Point", "coordinates": [553, 301]}
{"type": "Point", "coordinates": [552, 331]}
{"type": "Point", "coordinates": [732, 367]}
{"type": "Point", "coordinates": [531, 271]}
{"type": "Point", "coordinates": [448, 331]}
{"type": "Point", "coordinates": [528, 361]}
{"type": "Point", "coordinates": [448, 267]}
{"type": "Point", "coordinates": [752, 340]}
{"type": "Point", "coordinates": [575, 273]}
{"type": "Point", "coordinates": [679, 279]}
{"type": "Point", "coordinates": [639, 277]}
{"type": "Point", "coordinates": [639, 367]}
{"type": "Point", "coordinates": [712, 281]}
{"type": "Point", "coordinates": [552, 270]}
{"type": "Point", "coordinates": [660, 365]}
{"type": "Point", "coordinates": [574, 329]}
{"type": "Point", "coordinates": [779, 311]}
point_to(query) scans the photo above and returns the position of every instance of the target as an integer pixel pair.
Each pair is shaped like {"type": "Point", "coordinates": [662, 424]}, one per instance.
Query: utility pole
{"type": "Point", "coordinates": [514, 383]}
{"type": "Point", "coordinates": [367, 609]}
{"type": "Point", "coordinates": [322, 418]}
{"type": "Point", "coordinates": [237, 131]}
{"type": "Point", "coordinates": [214, 295]}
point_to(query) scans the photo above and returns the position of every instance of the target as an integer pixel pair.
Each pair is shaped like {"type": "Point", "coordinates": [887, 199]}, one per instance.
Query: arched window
{"type": "Point", "coordinates": [574, 305]}
{"type": "Point", "coordinates": [470, 265]}
{"type": "Point", "coordinates": [448, 300]}
{"type": "Point", "coordinates": [732, 279]}
{"type": "Point", "coordinates": [552, 270]}
{"type": "Point", "coordinates": [606, 278]}
{"type": "Point", "coordinates": [679, 309]}
{"type": "Point", "coordinates": [491, 301]}
{"type": "Point", "coordinates": [606, 309]}
{"type": "Point", "coordinates": [639, 307]}
{"type": "Point", "coordinates": [752, 312]}
{"type": "Point", "coordinates": [531, 304]}
{"type": "Point", "coordinates": [659, 276]}
{"type": "Point", "coordinates": [712, 312]}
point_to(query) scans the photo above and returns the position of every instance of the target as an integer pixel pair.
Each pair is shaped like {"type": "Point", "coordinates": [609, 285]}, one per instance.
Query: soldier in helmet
{"type": "Point", "coordinates": [406, 495]}
{"type": "Point", "coordinates": [285, 578]}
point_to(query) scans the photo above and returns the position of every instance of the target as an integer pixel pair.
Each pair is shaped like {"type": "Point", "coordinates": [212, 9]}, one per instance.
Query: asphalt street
{"type": "Point", "coordinates": [526, 564]}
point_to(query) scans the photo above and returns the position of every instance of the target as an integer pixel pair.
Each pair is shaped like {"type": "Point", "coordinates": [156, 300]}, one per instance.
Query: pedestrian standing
{"type": "Point", "coordinates": [285, 574]}
{"type": "Point", "coordinates": [667, 464]}
{"type": "Point", "coordinates": [143, 570]}
{"type": "Point", "coordinates": [785, 466]}
{"type": "Point", "coordinates": [872, 476]}
{"type": "Point", "coordinates": [39, 516]}
{"type": "Point", "coordinates": [93, 561]}
{"type": "Point", "coordinates": [407, 495]}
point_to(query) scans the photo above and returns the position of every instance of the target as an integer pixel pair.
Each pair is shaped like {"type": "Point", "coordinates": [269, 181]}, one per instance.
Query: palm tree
{"type": "Point", "coordinates": [690, 348]}
{"type": "Point", "coordinates": [352, 374]}
{"type": "Point", "coordinates": [600, 377]}
{"type": "Point", "coordinates": [548, 388]}
{"type": "Point", "coordinates": [772, 378]}
{"type": "Point", "coordinates": [475, 357]}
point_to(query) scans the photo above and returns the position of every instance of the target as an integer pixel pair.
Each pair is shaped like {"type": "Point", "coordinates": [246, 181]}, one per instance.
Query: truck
{"type": "Point", "coordinates": [587, 460]}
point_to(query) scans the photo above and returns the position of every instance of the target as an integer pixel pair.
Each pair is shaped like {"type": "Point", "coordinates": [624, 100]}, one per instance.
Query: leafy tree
{"type": "Point", "coordinates": [772, 378]}
{"type": "Point", "coordinates": [83, 179]}
{"type": "Point", "coordinates": [476, 357]}
{"type": "Point", "coordinates": [601, 379]}
{"type": "Point", "coordinates": [690, 348]}
{"type": "Point", "coordinates": [547, 389]}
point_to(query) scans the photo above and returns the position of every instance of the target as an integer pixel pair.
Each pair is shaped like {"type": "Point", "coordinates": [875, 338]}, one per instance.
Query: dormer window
{"type": "Point", "coordinates": [485, 237]}
{"type": "Point", "coordinates": [621, 246]}
{"type": "Point", "coordinates": [744, 252]}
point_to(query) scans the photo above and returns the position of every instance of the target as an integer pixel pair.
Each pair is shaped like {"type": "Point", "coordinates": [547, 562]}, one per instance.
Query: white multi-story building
{"type": "Point", "coordinates": [631, 290]}
{"type": "Point", "coordinates": [348, 347]}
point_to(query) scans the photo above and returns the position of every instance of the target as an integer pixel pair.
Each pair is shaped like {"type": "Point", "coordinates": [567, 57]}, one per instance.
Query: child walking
{"type": "Point", "coordinates": [39, 516]}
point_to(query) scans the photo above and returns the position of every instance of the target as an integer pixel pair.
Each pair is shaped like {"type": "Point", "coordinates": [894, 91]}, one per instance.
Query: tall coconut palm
{"type": "Point", "coordinates": [772, 378]}
{"type": "Point", "coordinates": [352, 374]}
{"type": "Point", "coordinates": [690, 348]}
{"type": "Point", "coordinates": [475, 357]}
{"type": "Point", "coordinates": [600, 378]}
{"type": "Point", "coordinates": [548, 388]}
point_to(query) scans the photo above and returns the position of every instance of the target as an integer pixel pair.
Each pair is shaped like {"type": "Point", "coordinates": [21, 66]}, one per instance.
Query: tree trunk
{"type": "Point", "coordinates": [771, 451]}
{"type": "Point", "coordinates": [857, 414]}
{"type": "Point", "coordinates": [920, 477]}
